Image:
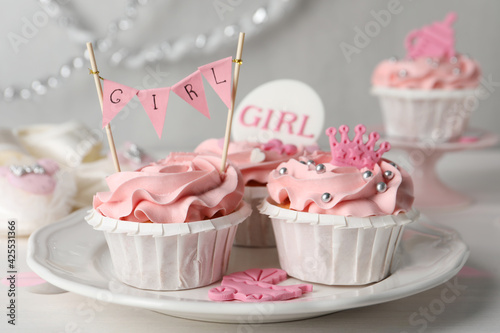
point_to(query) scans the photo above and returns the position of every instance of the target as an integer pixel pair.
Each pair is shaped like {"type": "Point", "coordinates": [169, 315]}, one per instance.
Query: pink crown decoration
{"type": "Point", "coordinates": [355, 153]}
{"type": "Point", "coordinates": [434, 41]}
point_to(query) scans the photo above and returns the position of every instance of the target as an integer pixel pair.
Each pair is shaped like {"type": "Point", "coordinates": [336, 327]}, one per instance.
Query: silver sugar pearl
{"type": "Point", "coordinates": [17, 170]}
{"type": "Point", "coordinates": [283, 171]}
{"type": "Point", "coordinates": [381, 187]}
{"type": "Point", "coordinates": [367, 175]}
{"type": "Point", "coordinates": [326, 197]}
{"type": "Point", "coordinates": [38, 169]}
{"type": "Point", "coordinates": [453, 60]}
{"type": "Point", "coordinates": [303, 162]}
{"type": "Point", "coordinates": [393, 164]}
{"type": "Point", "coordinates": [388, 174]}
{"type": "Point", "coordinates": [320, 168]}
{"type": "Point", "coordinates": [28, 169]}
{"type": "Point", "coordinates": [456, 71]}
{"type": "Point", "coordinates": [311, 162]}
{"type": "Point", "coordinates": [403, 73]}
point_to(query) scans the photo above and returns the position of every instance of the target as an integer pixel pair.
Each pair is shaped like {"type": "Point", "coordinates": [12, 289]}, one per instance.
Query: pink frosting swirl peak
{"type": "Point", "coordinates": [184, 187]}
{"type": "Point", "coordinates": [255, 160]}
{"type": "Point", "coordinates": [340, 190]}
{"type": "Point", "coordinates": [459, 72]}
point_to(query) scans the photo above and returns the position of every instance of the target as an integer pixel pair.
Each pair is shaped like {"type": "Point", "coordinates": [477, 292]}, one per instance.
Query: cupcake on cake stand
{"type": "Point", "coordinates": [426, 101]}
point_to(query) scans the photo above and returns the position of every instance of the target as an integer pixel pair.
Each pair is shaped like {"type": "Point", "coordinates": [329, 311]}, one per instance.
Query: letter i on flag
{"type": "Point", "coordinates": [114, 97]}
{"type": "Point", "coordinates": [154, 102]}
{"type": "Point", "coordinates": [218, 74]}
{"type": "Point", "coordinates": [192, 91]}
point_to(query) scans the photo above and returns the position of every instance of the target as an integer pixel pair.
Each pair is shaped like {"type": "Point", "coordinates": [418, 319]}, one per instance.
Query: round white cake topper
{"type": "Point", "coordinates": [288, 110]}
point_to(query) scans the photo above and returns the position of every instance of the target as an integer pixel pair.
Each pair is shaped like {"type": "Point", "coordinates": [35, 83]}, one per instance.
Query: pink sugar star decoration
{"type": "Point", "coordinates": [355, 153]}
{"type": "Point", "coordinates": [257, 285]}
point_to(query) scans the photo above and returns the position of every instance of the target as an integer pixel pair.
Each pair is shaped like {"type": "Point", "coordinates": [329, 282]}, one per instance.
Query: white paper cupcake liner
{"type": "Point", "coordinates": [439, 115]}
{"type": "Point", "coordinates": [171, 256]}
{"type": "Point", "coordinates": [257, 229]}
{"type": "Point", "coordinates": [336, 250]}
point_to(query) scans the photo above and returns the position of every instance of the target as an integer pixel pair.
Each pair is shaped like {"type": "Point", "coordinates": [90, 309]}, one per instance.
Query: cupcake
{"type": "Point", "coordinates": [338, 217]}
{"type": "Point", "coordinates": [170, 225]}
{"type": "Point", "coordinates": [255, 161]}
{"type": "Point", "coordinates": [35, 191]}
{"type": "Point", "coordinates": [430, 94]}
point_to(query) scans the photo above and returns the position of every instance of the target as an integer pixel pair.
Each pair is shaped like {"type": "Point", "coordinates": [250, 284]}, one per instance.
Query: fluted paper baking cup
{"type": "Point", "coordinates": [437, 115]}
{"type": "Point", "coordinates": [170, 256]}
{"type": "Point", "coordinates": [257, 229]}
{"type": "Point", "coordinates": [336, 250]}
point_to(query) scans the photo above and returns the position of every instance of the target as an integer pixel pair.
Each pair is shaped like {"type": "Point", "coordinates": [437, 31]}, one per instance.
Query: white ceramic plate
{"type": "Point", "coordinates": [71, 255]}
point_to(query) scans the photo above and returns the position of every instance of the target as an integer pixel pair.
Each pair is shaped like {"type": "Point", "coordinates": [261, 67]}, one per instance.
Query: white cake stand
{"type": "Point", "coordinates": [430, 192]}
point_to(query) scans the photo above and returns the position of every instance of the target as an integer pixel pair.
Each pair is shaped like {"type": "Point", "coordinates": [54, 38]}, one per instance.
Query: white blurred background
{"type": "Point", "coordinates": [295, 39]}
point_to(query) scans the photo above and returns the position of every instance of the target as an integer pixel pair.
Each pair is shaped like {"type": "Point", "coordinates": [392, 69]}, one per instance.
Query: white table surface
{"type": "Point", "coordinates": [475, 309]}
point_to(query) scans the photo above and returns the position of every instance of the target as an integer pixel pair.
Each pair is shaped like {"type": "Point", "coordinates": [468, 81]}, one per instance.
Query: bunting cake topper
{"type": "Point", "coordinates": [355, 153]}
{"type": "Point", "coordinates": [436, 40]}
{"type": "Point", "coordinates": [115, 96]}
{"type": "Point", "coordinates": [154, 101]}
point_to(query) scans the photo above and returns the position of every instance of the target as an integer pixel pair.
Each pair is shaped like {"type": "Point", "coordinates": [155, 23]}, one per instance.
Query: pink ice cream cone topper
{"type": "Point", "coordinates": [355, 153]}
{"type": "Point", "coordinates": [436, 40]}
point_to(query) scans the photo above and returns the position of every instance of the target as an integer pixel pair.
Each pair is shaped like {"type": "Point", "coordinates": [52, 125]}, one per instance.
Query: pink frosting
{"type": "Point", "coordinates": [255, 160]}
{"type": "Point", "coordinates": [35, 183]}
{"type": "Point", "coordinates": [459, 72]}
{"type": "Point", "coordinates": [184, 187]}
{"type": "Point", "coordinates": [351, 194]}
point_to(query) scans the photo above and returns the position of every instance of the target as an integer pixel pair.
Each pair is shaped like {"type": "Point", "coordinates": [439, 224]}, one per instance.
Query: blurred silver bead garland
{"type": "Point", "coordinates": [168, 50]}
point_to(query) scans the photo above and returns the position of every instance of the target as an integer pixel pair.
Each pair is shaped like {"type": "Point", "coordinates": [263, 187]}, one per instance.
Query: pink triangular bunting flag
{"type": "Point", "coordinates": [155, 103]}
{"type": "Point", "coordinates": [114, 97]}
{"type": "Point", "coordinates": [192, 91]}
{"type": "Point", "coordinates": [218, 74]}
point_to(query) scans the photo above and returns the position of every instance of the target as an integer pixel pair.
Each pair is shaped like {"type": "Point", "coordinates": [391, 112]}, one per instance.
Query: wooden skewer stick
{"type": "Point", "coordinates": [227, 138]}
{"type": "Point", "coordinates": [111, 142]}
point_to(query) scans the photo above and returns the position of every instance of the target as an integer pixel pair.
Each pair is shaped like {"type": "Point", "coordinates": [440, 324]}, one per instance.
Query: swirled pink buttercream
{"type": "Point", "coordinates": [183, 187]}
{"type": "Point", "coordinates": [348, 193]}
{"type": "Point", "coordinates": [255, 160]}
{"type": "Point", "coordinates": [459, 72]}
